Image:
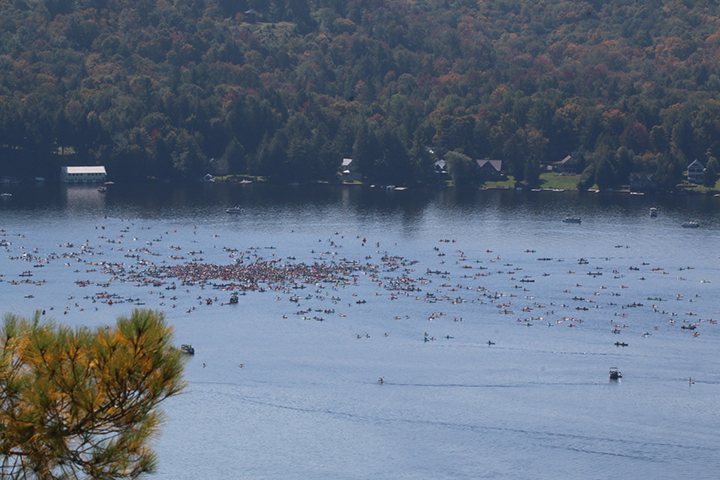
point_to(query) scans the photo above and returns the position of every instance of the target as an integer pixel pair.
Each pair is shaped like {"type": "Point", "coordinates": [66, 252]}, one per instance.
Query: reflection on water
{"type": "Point", "coordinates": [413, 204]}
{"type": "Point", "coordinates": [84, 198]}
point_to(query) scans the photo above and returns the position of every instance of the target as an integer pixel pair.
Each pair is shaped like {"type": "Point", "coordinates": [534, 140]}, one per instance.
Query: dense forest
{"type": "Point", "coordinates": [286, 89]}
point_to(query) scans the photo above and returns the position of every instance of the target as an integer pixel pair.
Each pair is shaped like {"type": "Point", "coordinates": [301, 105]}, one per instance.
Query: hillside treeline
{"type": "Point", "coordinates": [176, 89]}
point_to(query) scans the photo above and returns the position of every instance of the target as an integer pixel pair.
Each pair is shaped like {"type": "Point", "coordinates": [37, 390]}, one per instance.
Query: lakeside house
{"type": "Point", "coordinates": [82, 174]}
{"type": "Point", "coordinates": [695, 172]}
{"type": "Point", "coordinates": [568, 164]}
{"type": "Point", "coordinates": [643, 182]}
{"type": "Point", "coordinates": [489, 169]}
{"type": "Point", "coordinates": [349, 172]}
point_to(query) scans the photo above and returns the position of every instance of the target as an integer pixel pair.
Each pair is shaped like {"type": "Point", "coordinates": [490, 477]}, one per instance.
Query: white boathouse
{"type": "Point", "coordinates": [82, 174]}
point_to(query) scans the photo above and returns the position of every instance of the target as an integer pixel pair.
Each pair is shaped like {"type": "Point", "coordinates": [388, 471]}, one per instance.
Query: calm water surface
{"type": "Point", "coordinates": [490, 266]}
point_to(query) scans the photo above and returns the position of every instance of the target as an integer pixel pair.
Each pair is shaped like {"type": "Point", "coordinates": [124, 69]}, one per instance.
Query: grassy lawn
{"type": "Point", "coordinates": [555, 180]}
{"type": "Point", "coordinates": [547, 180]}
{"type": "Point", "coordinates": [700, 189]}
{"type": "Point", "coordinates": [509, 183]}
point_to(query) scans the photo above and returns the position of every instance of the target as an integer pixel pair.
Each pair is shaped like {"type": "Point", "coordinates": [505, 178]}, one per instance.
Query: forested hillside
{"type": "Point", "coordinates": [174, 89]}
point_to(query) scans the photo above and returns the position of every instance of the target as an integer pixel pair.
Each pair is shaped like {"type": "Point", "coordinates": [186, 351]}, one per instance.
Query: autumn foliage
{"type": "Point", "coordinates": [177, 89]}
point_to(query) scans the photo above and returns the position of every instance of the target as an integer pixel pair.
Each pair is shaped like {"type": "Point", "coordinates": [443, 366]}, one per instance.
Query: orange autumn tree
{"type": "Point", "coordinates": [82, 403]}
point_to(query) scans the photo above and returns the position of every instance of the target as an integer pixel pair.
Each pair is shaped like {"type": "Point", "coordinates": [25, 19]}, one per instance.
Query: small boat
{"type": "Point", "coordinates": [653, 212]}
{"type": "Point", "coordinates": [235, 210]}
{"type": "Point", "coordinates": [102, 189]}
{"type": "Point", "coordinates": [691, 224]}
{"type": "Point", "coordinates": [187, 349]}
{"type": "Point", "coordinates": [572, 220]}
{"type": "Point", "coordinates": [615, 374]}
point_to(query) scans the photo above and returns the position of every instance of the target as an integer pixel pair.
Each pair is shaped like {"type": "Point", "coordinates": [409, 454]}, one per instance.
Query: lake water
{"type": "Point", "coordinates": [492, 323]}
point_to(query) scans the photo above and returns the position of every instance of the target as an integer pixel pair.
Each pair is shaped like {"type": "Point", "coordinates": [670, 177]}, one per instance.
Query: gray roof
{"type": "Point", "coordinates": [496, 164]}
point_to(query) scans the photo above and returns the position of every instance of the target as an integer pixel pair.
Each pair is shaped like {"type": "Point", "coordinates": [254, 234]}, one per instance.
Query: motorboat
{"type": "Point", "coordinates": [615, 374]}
{"type": "Point", "coordinates": [691, 224]}
{"type": "Point", "coordinates": [102, 189]}
{"type": "Point", "coordinates": [572, 220]}
{"type": "Point", "coordinates": [187, 349]}
{"type": "Point", "coordinates": [653, 212]}
{"type": "Point", "coordinates": [235, 210]}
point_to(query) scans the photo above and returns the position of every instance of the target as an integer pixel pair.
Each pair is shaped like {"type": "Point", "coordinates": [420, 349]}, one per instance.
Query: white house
{"type": "Point", "coordinates": [82, 174]}
{"type": "Point", "coordinates": [695, 172]}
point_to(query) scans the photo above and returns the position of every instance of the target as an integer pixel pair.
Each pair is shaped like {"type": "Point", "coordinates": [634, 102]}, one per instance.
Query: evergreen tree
{"type": "Point", "coordinates": [83, 403]}
{"type": "Point", "coordinates": [604, 174]}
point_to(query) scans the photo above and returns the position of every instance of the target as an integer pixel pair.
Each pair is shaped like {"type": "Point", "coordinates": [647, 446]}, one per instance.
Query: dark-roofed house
{"type": "Point", "coordinates": [695, 172]}
{"type": "Point", "coordinates": [349, 173]}
{"type": "Point", "coordinates": [642, 182]}
{"type": "Point", "coordinates": [489, 169]}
